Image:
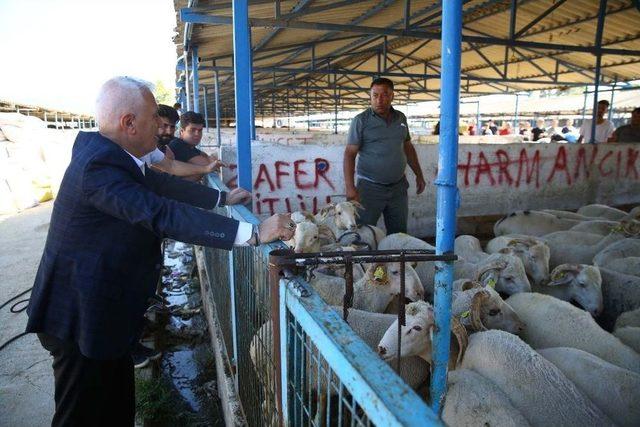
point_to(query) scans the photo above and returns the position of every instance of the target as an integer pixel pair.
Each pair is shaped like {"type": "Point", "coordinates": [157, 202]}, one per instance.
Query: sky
{"type": "Point", "coordinates": [57, 53]}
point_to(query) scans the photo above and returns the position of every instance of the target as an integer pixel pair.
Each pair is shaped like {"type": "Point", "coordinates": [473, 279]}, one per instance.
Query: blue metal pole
{"type": "Point", "coordinates": [196, 80]}
{"type": "Point", "coordinates": [602, 11]}
{"type": "Point", "coordinates": [217, 98]}
{"type": "Point", "coordinates": [447, 193]}
{"type": "Point", "coordinates": [186, 81]}
{"type": "Point", "coordinates": [242, 75]}
{"type": "Point", "coordinates": [252, 111]}
{"type": "Point", "coordinates": [204, 104]}
{"type": "Point", "coordinates": [515, 119]}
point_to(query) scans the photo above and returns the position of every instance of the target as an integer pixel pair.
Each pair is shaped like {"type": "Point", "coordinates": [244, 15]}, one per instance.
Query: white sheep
{"type": "Point", "coordinates": [567, 214]}
{"type": "Point", "coordinates": [620, 293]}
{"type": "Point", "coordinates": [628, 318]}
{"type": "Point", "coordinates": [598, 226]}
{"type": "Point", "coordinates": [602, 211]}
{"type": "Point", "coordinates": [532, 223]}
{"type": "Point", "coordinates": [532, 251]}
{"type": "Point", "coordinates": [630, 335]}
{"type": "Point", "coordinates": [417, 336]}
{"type": "Point", "coordinates": [374, 292]}
{"type": "Point", "coordinates": [573, 247]}
{"type": "Point", "coordinates": [480, 308]}
{"type": "Point", "coordinates": [532, 384]}
{"type": "Point", "coordinates": [576, 283]}
{"type": "Point", "coordinates": [555, 323]}
{"type": "Point", "coordinates": [622, 256]}
{"type": "Point", "coordinates": [505, 271]}
{"type": "Point", "coordinates": [339, 216]}
{"type": "Point", "coordinates": [469, 248]}
{"type": "Point", "coordinates": [617, 392]}
{"type": "Point", "coordinates": [473, 400]}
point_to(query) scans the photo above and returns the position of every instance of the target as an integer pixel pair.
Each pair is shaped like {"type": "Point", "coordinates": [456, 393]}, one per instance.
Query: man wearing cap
{"type": "Point", "coordinates": [379, 138]}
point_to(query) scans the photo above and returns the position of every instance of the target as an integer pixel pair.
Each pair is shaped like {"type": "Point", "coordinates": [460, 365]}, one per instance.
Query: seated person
{"type": "Point", "coordinates": [539, 131]}
{"type": "Point", "coordinates": [184, 148]}
{"type": "Point", "coordinates": [568, 127]}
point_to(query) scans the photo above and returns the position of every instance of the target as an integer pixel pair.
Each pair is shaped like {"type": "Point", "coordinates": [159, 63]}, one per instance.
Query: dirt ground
{"type": "Point", "coordinates": [26, 376]}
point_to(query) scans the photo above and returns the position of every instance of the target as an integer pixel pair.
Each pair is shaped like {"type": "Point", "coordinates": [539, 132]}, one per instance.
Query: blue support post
{"type": "Point", "coordinates": [602, 11]}
{"type": "Point", "coordinates": [447, 193]}
{"type": "Point", "coordinates": [252, 111]}
{"type": "Point", "coordinates": [515, 118]}
{"type": "Point", "coordinates": [187, 88]}
{"type": "Point", "coordinates": [217, 98]}
{"type": "Point", "coordinates": [204, 104]}
{"type": "Point", "coordinates": [242, 75]}
{"type": "Point", "coordinates": [613, 91]}
{"type": "Point", "coordinates": [196, 80]}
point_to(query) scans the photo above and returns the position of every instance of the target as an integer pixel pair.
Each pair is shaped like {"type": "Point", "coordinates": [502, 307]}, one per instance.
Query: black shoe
{"type": "Point", "coordinates": [141, 355]}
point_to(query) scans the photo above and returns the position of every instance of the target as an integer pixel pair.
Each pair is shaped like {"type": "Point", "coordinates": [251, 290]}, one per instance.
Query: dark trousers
{"type": "Point", "coordinates": [391, 201]}
{"type": "Point", "coordinates": [90, 392]}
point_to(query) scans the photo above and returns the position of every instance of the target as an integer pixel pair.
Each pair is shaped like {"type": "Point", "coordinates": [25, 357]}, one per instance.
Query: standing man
{"type": "Point", "coordinates": [379, 138]}
{"type": "Point", "coordinates": [630, 132]}
{"type": "Point", "coordinates": [604, 128]}
{"type": "Point", "coordinates": [102, 259]}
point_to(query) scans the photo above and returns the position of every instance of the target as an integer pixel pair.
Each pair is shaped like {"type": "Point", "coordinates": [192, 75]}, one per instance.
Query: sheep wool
{"type": "Point", "coordinates": [533, 385]}
{"type": "Point", "coordinates": [555, 323]}
{"type": "Point", "coordinates": [618, 390]}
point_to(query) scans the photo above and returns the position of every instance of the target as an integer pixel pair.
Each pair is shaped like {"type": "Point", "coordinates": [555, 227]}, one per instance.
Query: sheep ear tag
{"type": "Point", "coordinates": [558, 276]}
{"type": "Point", "coordinates": [379, 274]}
{"type": "Point", "coordinates": [491, 283]}
{"type": "Point", "coordinates": [465, 314]}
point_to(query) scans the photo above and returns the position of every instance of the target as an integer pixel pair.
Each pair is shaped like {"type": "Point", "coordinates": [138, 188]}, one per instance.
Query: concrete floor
{"type": "Point", "coordinates": [26, 376]}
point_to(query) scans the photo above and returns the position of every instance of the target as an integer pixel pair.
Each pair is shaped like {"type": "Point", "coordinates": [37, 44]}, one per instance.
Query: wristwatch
{"type": "Point", "coordinates": [222, 199]}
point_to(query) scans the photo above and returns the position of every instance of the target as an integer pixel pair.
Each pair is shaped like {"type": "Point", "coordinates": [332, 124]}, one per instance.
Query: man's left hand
{"type": "Point", "coordinates": [420, 184]}
{"type": "Point", "coordinates": [238, 196]}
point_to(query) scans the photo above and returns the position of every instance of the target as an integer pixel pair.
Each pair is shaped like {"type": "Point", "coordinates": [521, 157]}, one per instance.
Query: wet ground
{"type": "Point", "coordinates": [186, 369]}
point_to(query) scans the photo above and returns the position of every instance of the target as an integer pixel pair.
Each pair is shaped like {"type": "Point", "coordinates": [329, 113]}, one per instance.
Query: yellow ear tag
{"type": "Point", "coordinates": [559, 275]}
{"type": "Point", "coordinates": [492, 283]}
{"type": "Point", "coordinates": [379, 273]}
{"type": "Point", "coordinates": [465, 314]}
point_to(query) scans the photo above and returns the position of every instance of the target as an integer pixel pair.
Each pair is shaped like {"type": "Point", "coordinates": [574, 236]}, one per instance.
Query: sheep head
{"type": "Point", "coordinates": [346, 214]}
{"type": "Point", "coordinates": [417, 336]}
{"type": "Point", "coordinates": [306, 238]}
{"type": "Point", "coordinates": [578, 283]}
{"type": "Point", "coordinates": [534, 255]}
{"type": "Point", "coordinates": [489, 311]}
{"type": "Point", "coordinates": [503, 272]}
{"type": "Point", "coordinates": [388, 276]}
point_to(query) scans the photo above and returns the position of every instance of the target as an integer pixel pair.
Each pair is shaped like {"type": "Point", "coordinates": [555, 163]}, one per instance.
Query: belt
{"type": "Point", "coordinates": [383, 184]}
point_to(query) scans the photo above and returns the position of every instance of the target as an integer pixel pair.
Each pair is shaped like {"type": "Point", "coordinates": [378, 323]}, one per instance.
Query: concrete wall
{"type": "Point", "coordinates": [493, 179]}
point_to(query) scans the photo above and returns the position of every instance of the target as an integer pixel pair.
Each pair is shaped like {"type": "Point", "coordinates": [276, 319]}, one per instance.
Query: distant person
{"type": "Point", "coordinates": [505, 129]}
{"type": "Point", "coordinates": [539, 131]}
{"type": "Point", "coordinates": [525, 130]}
{"type": "Point", "coordinates": [604, 128]}
{"type": "Point", "coordinates": [493, 127]}
{"type": "Point", "coordinates": [178, 107]}
{"type": "Point", "coordinates": [569, 127]}
{"type": "Point", "coordinates": [436, 129]}
{"type": "Point", "coordinates": [472, 128]}
{"type": "Point", "coordinates": [184, 148]}
{"type": "Point", "coordinates": [380, 140]}
{"type": "Point", "coordinates": [554, 129]}
{"type": "Point", "coordinates": [630, 132]}
{"type": "Point", "coordinates": [167, 131]}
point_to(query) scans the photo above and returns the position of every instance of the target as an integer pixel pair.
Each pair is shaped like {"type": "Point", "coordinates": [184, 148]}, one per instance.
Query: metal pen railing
{"type": "Point", "coordinates": [320, 372]}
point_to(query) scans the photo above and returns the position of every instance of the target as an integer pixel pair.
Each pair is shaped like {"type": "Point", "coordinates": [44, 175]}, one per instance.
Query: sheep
{"type": "Point", "coordinates": [576, 283]}
{"type": "Point", "coordinates": [339, 216]}
{"type": "Point", "coordinates": [533, 252]}
{"type": "Point", "coordinates": [532, 223]}
{"type": "Point", "coordinates": [306, 238]}
{"type": "Point", "coordinates": [480, 308]}
{"type": "Point", "coordinates": [630, 335]}
{"type": "Point", "coordinates": [555, 323]}
{"type": "Point", "coordinates": [469, 248]}
{"type": "Point", "coordinates": [598, 226]}
{"type": "Point", "coordinates": [628, 318]}
{"type": "Point", "coordinates": [567, 214]}
{"type": "Point", "coordinates": [506, 271]}
{"type": "Point", "coordinates": [622, 256]}
{"type": "Point", "coordinates": [365, 235]}
{"type": "Point", "coordinates": [416, 336]}
{"type": "Point", "coordinates": [602, 211]}
{"type": "Point", "coordinates": [620, 293]}
{"type": "Point", "coordinates": [474, 400]}
{"type": "Point", "coordinates": [571, 247]}
{"type": "Point", "coordinates": [374, 291]}
{"type": "Point", "coordinates": [532, 384]}
{"type": "Point", "coordinates": [617, 392]}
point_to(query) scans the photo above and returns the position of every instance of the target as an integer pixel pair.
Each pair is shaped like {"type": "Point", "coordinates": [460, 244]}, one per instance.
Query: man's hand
{"type": "Point", "coordinates": [169, 154]}
{"type": "Point", "coordinates": [214, 166]}
{"type": "Point", "coordinates": [352, 194]}
{"type": "Point", "coordinates": [238, 196]}
{"type": "Point", "coordinates": [277, 227]}
{"type": "Point", "coordinates": [420, 184]}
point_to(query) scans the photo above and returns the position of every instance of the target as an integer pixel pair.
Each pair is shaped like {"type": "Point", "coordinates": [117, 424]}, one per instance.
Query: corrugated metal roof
{"type": "Point", "coordinates": [282, 57]}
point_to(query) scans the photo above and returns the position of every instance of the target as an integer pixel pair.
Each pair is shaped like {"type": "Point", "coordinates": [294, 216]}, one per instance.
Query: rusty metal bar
{"type": "Point", "coordinates": [347, 301]}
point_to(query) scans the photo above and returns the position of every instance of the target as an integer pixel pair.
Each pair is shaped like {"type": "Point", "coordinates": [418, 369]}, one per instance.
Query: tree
{"type": "Point", "coordinates": [162, 94]}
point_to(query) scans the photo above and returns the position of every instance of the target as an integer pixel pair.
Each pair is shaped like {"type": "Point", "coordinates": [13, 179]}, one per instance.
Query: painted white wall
{"type": "Point", "coordinates": [493, 179]}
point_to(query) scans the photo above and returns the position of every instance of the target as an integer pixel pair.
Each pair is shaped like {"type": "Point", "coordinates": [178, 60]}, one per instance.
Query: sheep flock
{"type": "Point", "coordinates": [545, 316]}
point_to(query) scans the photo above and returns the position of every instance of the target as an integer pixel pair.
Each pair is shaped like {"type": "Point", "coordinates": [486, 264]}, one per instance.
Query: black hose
{"type": "Point", "coordinates": [13, 339]}
{"type": "Point", "coordinates": [4, 304]}
{"type": "Point", "coordinates": [14, 309]}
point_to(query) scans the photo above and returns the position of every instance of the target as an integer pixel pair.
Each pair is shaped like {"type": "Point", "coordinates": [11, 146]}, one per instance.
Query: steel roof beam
{"type": "Point", "coordinates": [539, 18]}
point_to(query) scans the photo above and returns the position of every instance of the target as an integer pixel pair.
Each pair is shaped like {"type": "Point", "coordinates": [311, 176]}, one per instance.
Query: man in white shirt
{"type": "Point", "coordinates": [604, 128]}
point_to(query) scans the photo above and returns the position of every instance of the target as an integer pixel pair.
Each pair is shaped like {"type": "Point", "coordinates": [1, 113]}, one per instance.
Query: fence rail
{"type": "Point", "coordinates": [294, 359]}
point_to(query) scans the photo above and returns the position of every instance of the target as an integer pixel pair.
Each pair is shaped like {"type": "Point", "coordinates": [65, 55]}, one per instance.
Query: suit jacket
{"type": "Point", "coordinates": [102, 258]}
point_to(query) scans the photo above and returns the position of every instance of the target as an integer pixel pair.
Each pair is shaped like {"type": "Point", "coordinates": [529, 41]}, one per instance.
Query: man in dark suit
{"type": "Point", "coordinates": [102, 259]}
